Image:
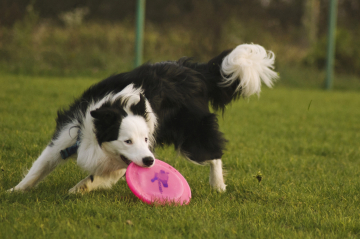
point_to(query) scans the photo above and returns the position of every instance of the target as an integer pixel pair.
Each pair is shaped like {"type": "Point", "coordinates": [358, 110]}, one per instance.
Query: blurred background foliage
{"type": "Point", "coordinates": [91, 37]}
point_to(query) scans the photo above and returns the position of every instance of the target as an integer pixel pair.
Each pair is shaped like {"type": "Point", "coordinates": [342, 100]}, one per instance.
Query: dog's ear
{"type": "Point", "coordinates": [107, 122]}
{"type": "Point", "coordinates": [140, 107]}
{"type": "Point", "coordinates": [107, 116]}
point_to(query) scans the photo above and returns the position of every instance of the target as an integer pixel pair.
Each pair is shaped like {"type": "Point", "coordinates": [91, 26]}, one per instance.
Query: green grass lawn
{"type": "Point", "coordinates": [305, 143]}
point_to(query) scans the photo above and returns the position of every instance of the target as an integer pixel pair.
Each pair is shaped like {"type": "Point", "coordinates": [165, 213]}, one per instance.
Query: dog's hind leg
{"type": "Point", "coordinates": [93, 182]}
{"type": "Point", "coordinates": [216, 175]}
{"type": "Point", "coordinates": [204, 145]}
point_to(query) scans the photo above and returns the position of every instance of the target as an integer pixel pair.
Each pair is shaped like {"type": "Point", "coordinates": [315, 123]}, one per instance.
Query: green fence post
{"type": "Point", "coordinates": [140, 19]}
{"type": "Point", "coordinates": [331, 44]}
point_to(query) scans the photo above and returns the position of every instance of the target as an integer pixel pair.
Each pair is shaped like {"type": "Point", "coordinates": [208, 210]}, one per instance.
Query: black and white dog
{"type": "Point", "coordinates": [122, 118]}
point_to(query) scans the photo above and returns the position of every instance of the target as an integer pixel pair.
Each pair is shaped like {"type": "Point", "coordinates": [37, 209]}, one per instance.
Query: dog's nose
{"type": "Point", "coordinates": [148, 161]}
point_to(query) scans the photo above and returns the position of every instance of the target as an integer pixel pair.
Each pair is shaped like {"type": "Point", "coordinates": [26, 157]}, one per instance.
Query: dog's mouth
{"type": "Point", "coordinates": [125, 159]}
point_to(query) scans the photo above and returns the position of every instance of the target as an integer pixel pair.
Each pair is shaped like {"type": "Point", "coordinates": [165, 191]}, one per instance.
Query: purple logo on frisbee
{"type": "Point", "coordinates": [162, 178]}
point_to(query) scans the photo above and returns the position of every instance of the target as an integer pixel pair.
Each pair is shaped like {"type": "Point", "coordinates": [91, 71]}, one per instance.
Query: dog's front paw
{"type": "Point", "coordinates": [15, 189]}
{"type": "Point", "coordinates": [79, 189]}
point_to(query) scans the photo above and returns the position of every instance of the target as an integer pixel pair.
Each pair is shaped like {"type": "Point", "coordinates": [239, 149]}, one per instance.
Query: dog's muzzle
{"type": "Point", "coordinates": [125, 159]}
{"type": "Point", "coordinates": [148, 161]}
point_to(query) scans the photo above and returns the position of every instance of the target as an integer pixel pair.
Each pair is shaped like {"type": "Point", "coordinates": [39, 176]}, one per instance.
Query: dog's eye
{"type": "Point", "coordinates": [128, 141]}
{"type": "Point", "coordinates": [146, 139]}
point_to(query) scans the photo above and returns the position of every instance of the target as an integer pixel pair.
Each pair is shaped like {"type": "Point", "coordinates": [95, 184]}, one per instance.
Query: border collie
{"type": "Point", "coordinates": [122, 118]}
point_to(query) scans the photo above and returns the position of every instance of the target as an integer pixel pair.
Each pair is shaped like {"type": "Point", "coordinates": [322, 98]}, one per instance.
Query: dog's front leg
{"type": "Point", "coordinates": [45, 164]}
{"type": "Point", "coordinates": [216, 175]}
{"type": "Point", "coordinates": [93, 182]}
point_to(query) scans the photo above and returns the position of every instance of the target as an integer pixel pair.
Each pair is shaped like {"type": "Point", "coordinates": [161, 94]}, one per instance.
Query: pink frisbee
{"type": "Point", "coordinates": [160, 184]}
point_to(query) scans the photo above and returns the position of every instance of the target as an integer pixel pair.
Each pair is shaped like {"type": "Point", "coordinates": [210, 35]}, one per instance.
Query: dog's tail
{"type": "Point", "coordinates": [248, 65]}
{"type": "Point", "coordinates": [238, 73]}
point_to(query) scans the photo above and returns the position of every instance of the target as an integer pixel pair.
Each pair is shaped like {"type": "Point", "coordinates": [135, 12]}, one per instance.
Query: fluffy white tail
{"type": "Point", "coordinates": [250, 64]}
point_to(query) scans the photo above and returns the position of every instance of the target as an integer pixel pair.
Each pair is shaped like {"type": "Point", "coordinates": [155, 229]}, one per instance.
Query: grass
{"type": "Point", "coordinates": [305, 143]}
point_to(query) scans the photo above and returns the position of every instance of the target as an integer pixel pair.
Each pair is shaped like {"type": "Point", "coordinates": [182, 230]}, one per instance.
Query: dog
{"type": "Point", "coordinates": [122, 118]}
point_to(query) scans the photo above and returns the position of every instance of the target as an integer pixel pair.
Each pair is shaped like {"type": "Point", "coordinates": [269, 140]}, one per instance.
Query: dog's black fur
{"type": "Point", "coordinates": [179, 93]}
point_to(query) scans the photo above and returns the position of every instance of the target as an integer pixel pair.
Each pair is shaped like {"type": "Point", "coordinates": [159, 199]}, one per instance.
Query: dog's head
{"type": "Point", "coordinates": [123, 135]}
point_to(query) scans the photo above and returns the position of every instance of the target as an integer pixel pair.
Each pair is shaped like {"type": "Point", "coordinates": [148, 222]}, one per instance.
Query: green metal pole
{"type": "Point", "coordinates": [331, 44]}
{"type": "Point", "coordinates": [140, 19]}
